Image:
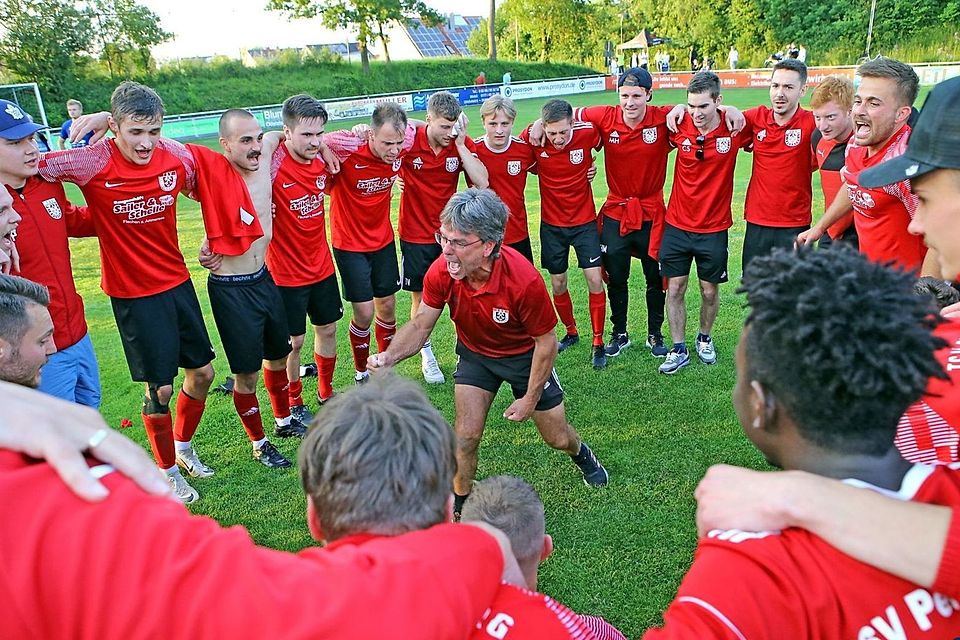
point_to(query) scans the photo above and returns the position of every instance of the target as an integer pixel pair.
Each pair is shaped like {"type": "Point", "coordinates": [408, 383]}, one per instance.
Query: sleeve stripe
{"type": "Point", "coordinates": [715, 612]}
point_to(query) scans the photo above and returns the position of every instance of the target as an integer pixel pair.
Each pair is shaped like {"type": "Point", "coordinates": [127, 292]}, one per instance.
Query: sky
{"type": "Point", "coordinates": [216, 27]}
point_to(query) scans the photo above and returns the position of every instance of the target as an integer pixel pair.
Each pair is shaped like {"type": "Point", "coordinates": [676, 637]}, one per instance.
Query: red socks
{"type": "Point", "coordinates": [564, 306]}
{"type": "Point", "coordinates": [189, 412]}
{"type": "Point", "coordinates": [385, 331]}
{"type": "Point", "coordinates": [325, 368]}
{"type": "Point", "coordinates": [248, 408]}
{"type": "Point", "coordinates": [360, 345]}
{"type": "Point", "coordinates": [278, 387]}
{"type": "Point", "coordinates": [598, 309]}
{"type": "Point", "coordinates": [160, 434]}
{"type": "Point", "coordinates": [294, 392]}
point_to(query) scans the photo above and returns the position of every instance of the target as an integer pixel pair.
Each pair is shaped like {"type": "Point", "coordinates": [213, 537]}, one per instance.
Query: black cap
{"type": "Point", "coordinates": [934, 142]}
{"type": "Point", "coordinates": [642, 75]}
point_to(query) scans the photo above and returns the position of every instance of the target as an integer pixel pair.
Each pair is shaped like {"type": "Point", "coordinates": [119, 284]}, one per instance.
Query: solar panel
{"type": "Point", "coordinates": [443, 40]}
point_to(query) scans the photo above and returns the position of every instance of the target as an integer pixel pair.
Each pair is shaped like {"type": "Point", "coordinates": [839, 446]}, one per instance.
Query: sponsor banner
{"type": "Point", "coordinates": [466, 96]}
{"type": "Point", "coordinates": [362, 107]}
{"type": "Point", "coordinates": [521, 90]}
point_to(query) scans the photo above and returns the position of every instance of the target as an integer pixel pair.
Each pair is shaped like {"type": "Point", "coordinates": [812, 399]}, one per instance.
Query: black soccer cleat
{"type": "Point", "coordinates": [568, 341]}
{"type": "Point", "coordinates": [293, 430]}
{"type": "Point", "coordinates": [594, 474]}
{"type": "Point", "coordinates": [269, 456]}
{"type": "Point", "coordinates": [599, 357]}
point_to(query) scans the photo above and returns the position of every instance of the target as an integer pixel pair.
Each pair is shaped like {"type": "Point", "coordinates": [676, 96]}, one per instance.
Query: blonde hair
{"type": "Point", "coordinates": [836, 89]}
{"type": "Point", "coordinates": [498, 103]}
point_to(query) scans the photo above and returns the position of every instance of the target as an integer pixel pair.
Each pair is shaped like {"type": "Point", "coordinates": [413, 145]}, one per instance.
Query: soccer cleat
{"type": "Point", "coordinates": [269, 456]}
{"type": "Point", "coordinates": [225, 387]}
{"type": "Point", "coordinates": [594, 474]}
{"type": "Point", "coordinates": [675, 361]}
{"type": "Point", "coordinates": [301, 414]}
{"type": "Point", "coordinates": [599, 357]}
{"type": "Point", "coordinates": [361, 378]}
{"type": "Point", "coordinates": [431, 372]}
{"type": "Point", "coordinates": [294, 429]}
{"type": "Point", "coordinates": [618, 342]}
{"type": "Point", "coordinates": [657, 349]}
{"type": "Point", "coordinates": [323, 401]}
{"type": "Point", "coordinates": [308, 370]}
{"type": "Point", "coordinates": [188, 460]}
{"type": "Point", "coordinates": [181, 488]}
{"type": "Point", "coordinates": [568, 341]}
{"type": "Point", "coordinates": [706, 351]}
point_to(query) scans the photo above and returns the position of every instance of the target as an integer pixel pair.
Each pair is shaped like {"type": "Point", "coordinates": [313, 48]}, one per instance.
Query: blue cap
{"type": "Point", "coordinates": [15, 123]}
{"type": "Point", "coordinates": [641, 76]}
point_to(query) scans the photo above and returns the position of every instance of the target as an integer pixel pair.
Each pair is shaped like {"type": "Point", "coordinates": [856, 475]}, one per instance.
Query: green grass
{"type": "Point", "coordinates": [620, 551]}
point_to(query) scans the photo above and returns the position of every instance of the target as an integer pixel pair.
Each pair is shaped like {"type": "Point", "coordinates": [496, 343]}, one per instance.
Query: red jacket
{"type": "Point", "coordinates": [42, 241]}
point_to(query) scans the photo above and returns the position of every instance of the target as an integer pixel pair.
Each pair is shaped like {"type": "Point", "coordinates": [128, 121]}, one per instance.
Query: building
{"type": "Point", "coordinates": [414, 40]}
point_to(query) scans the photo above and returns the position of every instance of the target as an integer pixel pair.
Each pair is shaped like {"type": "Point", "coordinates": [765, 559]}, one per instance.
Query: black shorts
{"type": "Point", "coordinates": [849, 238]}
{"type": "Point", "coordinates": [524, 248]}
{"type": "Point", "coordinates": [250, 318]}
{"type": "Point", "coordinates": [488, 373]}
{"type": "Point", "coordinates": [760, 240]}
{"type": "Point", "coordinates": [162, 333]}
{"type": "Point", "coordinates": [679, 248]}
{"type": "Point", "coordinates": [320, 300]}
{"type": "Point", "coordinates": [368, 274]}
{"type": "Point", "coordinates": [415, 259]}
{"type": "Point", "coordinates": [555, 243]}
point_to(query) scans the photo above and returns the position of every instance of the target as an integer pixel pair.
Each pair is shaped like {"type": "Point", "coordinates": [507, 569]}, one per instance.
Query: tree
{"type": "Point", "coordinates": [492, 31]}
{"type": "Point", "coordinates": [124, 32]}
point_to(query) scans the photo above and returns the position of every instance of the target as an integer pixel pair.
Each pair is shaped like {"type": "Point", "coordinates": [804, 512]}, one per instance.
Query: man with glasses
{"type": "Point", "coordinates": [698, 216]}
{"type": "Point", "coordinates": [497, 301]}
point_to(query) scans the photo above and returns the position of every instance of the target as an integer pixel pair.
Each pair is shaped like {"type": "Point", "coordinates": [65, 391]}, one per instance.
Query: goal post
{"type": "Point", "coordinates": [27, 97]}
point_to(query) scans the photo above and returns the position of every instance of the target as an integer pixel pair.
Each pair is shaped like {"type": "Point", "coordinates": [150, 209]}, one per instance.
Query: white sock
{"type": "Point", "coordinates": [182, 446]}
{"type": "Point", "coordinates": [283, 422]}
{"type": "Point", "coordinates": [361, 375]}
{"type": "Point", "coordinates": [258, 444]}
{"type": "Point", "coordinates": [172, 471]}
{"type": "Point", "coordinates": [427, 352]}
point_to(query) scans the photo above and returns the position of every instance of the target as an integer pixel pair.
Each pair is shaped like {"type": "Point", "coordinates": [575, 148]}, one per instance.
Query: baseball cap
{"type": "Point", "coordinates": [934, 142]}
{"type": "Point", "coordinates": [642, 75]}
{"type": "Point", "coordinates": [15, 123]}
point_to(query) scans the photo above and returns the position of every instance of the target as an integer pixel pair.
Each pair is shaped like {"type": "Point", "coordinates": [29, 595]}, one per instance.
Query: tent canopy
{"type": "Point", "coordinates": [643, 40]}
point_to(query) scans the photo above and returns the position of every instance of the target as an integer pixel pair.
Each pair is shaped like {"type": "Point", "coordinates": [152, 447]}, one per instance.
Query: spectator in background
{"type": "Point", "coordinates": [481, 79]}
{"type": "Point", "coordinates": [733, 58]}
{"type": "Point", "coordinates": [74, 110]}
{"type": "Point", "coordinates": [644, 58]}
{"type": "Point", "coordinates": [802, 54]}
{"type": "Point", "coordinates": [694, 58]}
{"type": "Point", "coordinates": [666, 62]}
{"type": "Point", "coordinates": [507, 78]}
{"type": "Point", "coordinates": [793, 51]}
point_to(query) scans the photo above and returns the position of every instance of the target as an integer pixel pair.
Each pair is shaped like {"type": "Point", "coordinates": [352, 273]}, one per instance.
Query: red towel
{"type": "Point", "coordinates": [229, 217]}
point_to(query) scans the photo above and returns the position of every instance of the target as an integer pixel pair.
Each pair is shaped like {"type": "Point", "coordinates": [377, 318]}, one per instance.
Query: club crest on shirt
{"type": "Point", "coordinates": [792, 137]}
{"type": "Point", "coordinates": [686, 146]}
{"type": "Point", "coordinates": [723, 145]}
{"type": "Point", "coordinates": [761, 135]}
{"type": "Point", "coordinates": [453, 165]}
{"type": "Point", "coordinates": [168, 180]}
{"type": "Point", "coordinates": [513, 167]}
{"type": "Point", "coordinates": [576, 156]}
{"type": "Point", "coordinates": [614, 138]}
{"type": "Point", "coordinates": [500, 316]}
{"type": "Point", "coordinates": [53, 208]}
{"type": "Point", "coordinates": [417, 163]}
{"type": "Point", "coordinates": [322, 182]}
{"type": "Point", "coordinates": [650, 135]}
{"type": "Point", "coordinates": [396, 164]}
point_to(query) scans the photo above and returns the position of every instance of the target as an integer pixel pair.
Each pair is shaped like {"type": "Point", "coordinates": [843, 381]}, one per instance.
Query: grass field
{"type": "Point", "coordinates": [620, 551]}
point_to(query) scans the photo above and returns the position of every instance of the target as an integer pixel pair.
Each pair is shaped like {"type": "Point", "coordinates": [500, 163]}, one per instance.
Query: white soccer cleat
{"type": "Point", "coordinates": [431, 372]}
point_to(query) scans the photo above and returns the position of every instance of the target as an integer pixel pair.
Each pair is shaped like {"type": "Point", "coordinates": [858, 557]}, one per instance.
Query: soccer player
{"type": "Point", "coordinates": [430, 172]}
{"type": "Point", "coordinates": [508, 159]}
{"type": "Point", "coordinates": [698, 216]}
{"type": "Point", "coordinates": [26, 328]}
{"type": "Point", "coordinates": [299, 256]}
{"type": "Point", "coordinates": [74, 110]}
{"type": "Point", "coordinates": [822, 420]}
{"type": "Point", "coordinates": [881, 107]}
{"type": "Point", "coordinates": [497, 301]}
{"type": "Point", "coordinates": [832, 104]}
{"type": "Point", "coordinates": [568, 217]}
{"type": "Point", "coordinates": [131, 183]}
{"type": "Point", "coordinates": [378, 463]}
{"type": "Point", "coordinates": [49, 219]}
{"type": "Point", "coordinates": [360, 226]}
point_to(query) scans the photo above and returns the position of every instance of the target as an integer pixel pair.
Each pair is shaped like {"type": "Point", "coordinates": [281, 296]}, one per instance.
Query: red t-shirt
{"type": "Point", "coordinates": [527, 615]}
{"type": "Point", "coordinates": [298, 254]}
{"type": "Point", "coordinates": [501, 318]}
{"type": "Point", "coordinates": [134, 211]}
{"type": "Point", "coordinates": [883, 214]}
{"type": "Point", "coordinates": [507, 171]}
{"type": "Point", "coordinates": [702, 189]}
{"type": "Point", "coordinates": [830, 158]}
{"type": "Point", "coordinates": [780, 192]}
{"type": "Point", "coordinates": [794, 585]}
{"type": "Point", "coordinates": [566, 197]}
{"type": "Point", "coordinates": [360, 194]}
{"type": "Point", "coordinates": [929, 431]}
{"type": "Point", "coordinates": [139, 566]}
{"type": "Point", "coordinates": [635, 159]}
{"type": "Point", "coordinates": [429, 181]}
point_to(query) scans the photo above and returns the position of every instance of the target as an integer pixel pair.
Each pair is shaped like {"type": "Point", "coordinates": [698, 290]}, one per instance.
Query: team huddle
{"type": "Point", "coordinates": [271, 268]}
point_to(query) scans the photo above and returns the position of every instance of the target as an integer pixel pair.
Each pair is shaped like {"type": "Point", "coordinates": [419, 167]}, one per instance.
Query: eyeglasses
{"type": "Point", "coordinates": [701, 139]}
{"type": "Point", "coordinates": [442, 240]}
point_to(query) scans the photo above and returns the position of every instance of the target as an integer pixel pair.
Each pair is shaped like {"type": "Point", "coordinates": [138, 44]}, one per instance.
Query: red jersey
{"type": "Point", "coordinates": [134, 211]}
{"type": "Point", "coordinates": [883, 214]}
{"type": "Point", "coordinates": [502, 317]}
{"type": "Point", "coordinates": [42, 241]}
{"type": "Point", "coordinates": [75, 569]}
{"type": "Point", "coordinates": [795, 585]}
{"type": "Point", "coordinates": [702, 189]}
{"type": "Point", "coordinates": [360, 194]}
{"type": "Point", "coordinates": [929, 431]}
{"type": "Point", "coordinates": [519, 614]}
{"type": "Point", "coordinates": [635, 160]}
{"type": "Point", "coordinates": [566, 197]}
{"type": "Point", "coordinates": [830, 158]}
{"type": "Point", "coordinates": [429, 181]}
{"type": "Point", "coordinates": [780, 192]}
{"type": "Point", "coordinates": [507, 175]}
{"type": "Point", "coordinates": [298, 254]}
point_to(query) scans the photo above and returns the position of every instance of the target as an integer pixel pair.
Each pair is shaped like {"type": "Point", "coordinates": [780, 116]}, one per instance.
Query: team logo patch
{"type": "Point", "coordinates": [513, 167]}
{"type": "Point", "coordinates": [168, 180]}
{"type": "Point", "coordinates": [761, 135]}
{"type": "Point", "coordinates": [417, 163]}
{"type": "Point", "coordinates": [322, 182]}
{"type": "Point", "coordinates": [500, 316]}
{"type": "Point", "coordinates": [396, 164]}
{"type": "Point", "coordinates": [14, 111]}
{"type": "Point", "coordinates": [453, 165]}
{"type": "Point", "coordinates": [723, 145]}
{"type": "Point", "coordinates": [686, 146]}
{"type": "Point", "coordinates": [246, 217]}
{"type": "Point", "coordinates": [650, 135]}
{"type": "Point", "coordinates": [544, 154]}
{"type": "Point", "coordinates": [792, 137]}
{"type": "Point", "coordinates": [576, 156]}
{"type": "Point", "coordinates": [614, 138]}
{"type": "Point", "coordinates": [53, 208]}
